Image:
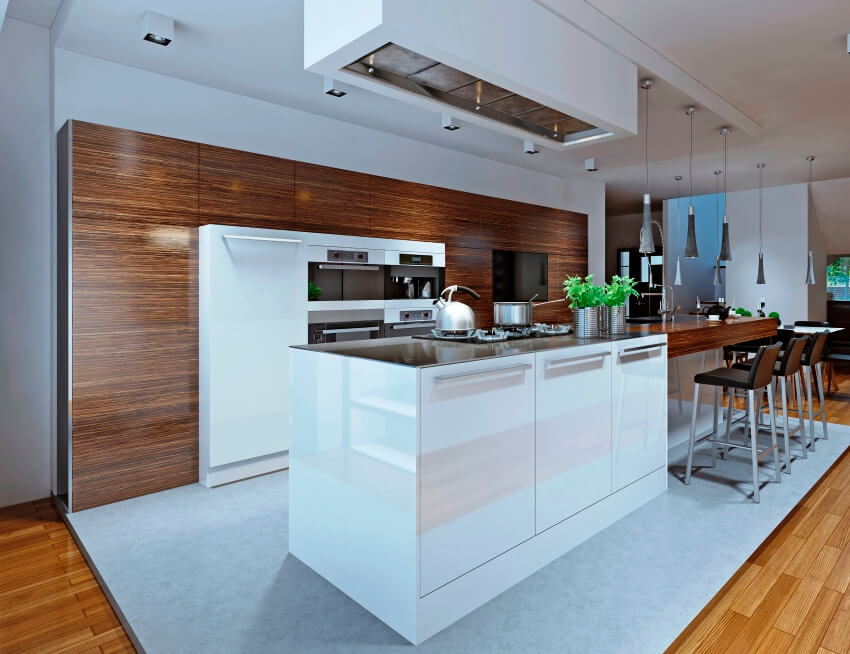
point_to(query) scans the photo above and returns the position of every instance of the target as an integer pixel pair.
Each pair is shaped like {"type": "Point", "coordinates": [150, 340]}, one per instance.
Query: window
{"type": "Point", "coordinates": [838, 279]}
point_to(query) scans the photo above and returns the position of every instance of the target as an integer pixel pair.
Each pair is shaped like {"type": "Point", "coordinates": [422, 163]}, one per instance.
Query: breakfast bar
{"type": "Point", "coordinates": [692, 335]}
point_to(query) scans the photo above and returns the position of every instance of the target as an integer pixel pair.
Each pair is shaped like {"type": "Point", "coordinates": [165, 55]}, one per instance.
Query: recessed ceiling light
{"type": "Point", "coordinates": [449, 123]}
{"type": "Point", "coordinates": [528, 147]}
{"type": "Point", "coordinates": [157, 28]}
{"type": "Point", "coordinates": [330, 88]}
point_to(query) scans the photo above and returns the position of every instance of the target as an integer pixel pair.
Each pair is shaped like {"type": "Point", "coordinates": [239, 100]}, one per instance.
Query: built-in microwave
{"type": "Point", "coordinates": [340, 332]}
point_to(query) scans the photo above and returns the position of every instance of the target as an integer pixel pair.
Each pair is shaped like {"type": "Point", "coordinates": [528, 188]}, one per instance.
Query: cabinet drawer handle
{"type": "Point", "coordinates": [350, 330]}
{"type": "Point", "coordinates": [586, 357]}
{"type": "Point", "coordinates": [481, 373]}
{"type": "Point", "coordinates": [640, 348]}
{"type": "Point", "coordinates": [414, 325]}
{"type": "Point", "coordinates": [260, 238]}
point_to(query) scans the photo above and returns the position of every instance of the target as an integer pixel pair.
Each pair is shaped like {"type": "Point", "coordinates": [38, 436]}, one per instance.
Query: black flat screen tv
{"type": "Point", "coordinates": [518, 276]}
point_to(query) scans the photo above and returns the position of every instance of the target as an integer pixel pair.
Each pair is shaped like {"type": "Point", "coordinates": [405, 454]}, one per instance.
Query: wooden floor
{"type": "Point", "coordinates": [793, 593]}
{"type": "Point", "coordinates": [49, 599]}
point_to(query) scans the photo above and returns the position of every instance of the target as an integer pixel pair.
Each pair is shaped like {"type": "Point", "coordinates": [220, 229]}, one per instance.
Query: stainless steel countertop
{"type": "Point", "coordinates": [423, 353]}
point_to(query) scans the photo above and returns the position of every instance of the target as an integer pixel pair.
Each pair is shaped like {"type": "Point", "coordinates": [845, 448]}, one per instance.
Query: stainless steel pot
{"type": "Point", "coordinates": [517, 314]}
{"type": "Point", "coordinates": [454, 318]}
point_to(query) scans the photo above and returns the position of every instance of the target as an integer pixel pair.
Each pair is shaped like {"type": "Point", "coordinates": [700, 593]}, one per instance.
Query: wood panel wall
{"type": "Point", "coordinates": [137, 200]}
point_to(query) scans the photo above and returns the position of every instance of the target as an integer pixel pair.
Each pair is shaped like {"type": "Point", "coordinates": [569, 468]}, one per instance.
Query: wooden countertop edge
{"type": "Point", "coordinates": [692, 336]}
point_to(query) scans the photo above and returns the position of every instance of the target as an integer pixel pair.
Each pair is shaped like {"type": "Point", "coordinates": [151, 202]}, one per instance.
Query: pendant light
{"type": "Point", "coordinates": [725, 250]}
{"type": "Point", "coordinates": [678, 279]}
{"type": "Point", "coordinates": [810, 272]}
{"type": "Point", "coordinates": [691, 250]}
{"type": "Point", "coordinates": [717, 280]}
{"type": "Point", "coordinates": [760, 275]}
{"type": "Point", "coordinates": [647, 242]}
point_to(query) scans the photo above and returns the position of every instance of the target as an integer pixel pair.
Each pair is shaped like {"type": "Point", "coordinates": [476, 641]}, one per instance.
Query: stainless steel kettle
{"type": "Point", "coordinates": [455, 318]}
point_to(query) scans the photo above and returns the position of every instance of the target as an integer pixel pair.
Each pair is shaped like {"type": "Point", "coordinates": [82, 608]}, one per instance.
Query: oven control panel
{"type": "Point", "coordinates": [348, 256]}
{"type": "Point", "coordinates": [415, 316]}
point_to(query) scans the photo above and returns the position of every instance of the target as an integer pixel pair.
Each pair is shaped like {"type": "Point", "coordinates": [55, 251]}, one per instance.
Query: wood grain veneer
{"type": "Point", "coordinates": [137, 200]}
{"type": "Point", "coordinates": [244, 189]}
{"type": "Point", "coordinates": [134, 314]}
{"type": "Point", "coordinates": [689, 336]}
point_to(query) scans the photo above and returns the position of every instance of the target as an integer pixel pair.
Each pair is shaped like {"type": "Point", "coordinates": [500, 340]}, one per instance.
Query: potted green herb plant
{"type": "Point", "coordinates": [585, 300]}
{"type": "Point", "coordinates": [616, 293]}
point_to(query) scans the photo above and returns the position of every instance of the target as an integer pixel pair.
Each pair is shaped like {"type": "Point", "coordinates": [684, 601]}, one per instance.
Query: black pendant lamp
{"type": "Point", "coordinates": [760, 275]}
{"type": "Point", "coordinates": [678, 279]}
{"type": "Point", "coordinates": [647, 242]}
{"type": "Point", "coordinates": [717, 280]}
{"type": "Point", "coordinates": [725, 251]}
{"type": "Point", "coordinates": [691, 250]}
{"type": "Point", "coordinates": [810, 271]}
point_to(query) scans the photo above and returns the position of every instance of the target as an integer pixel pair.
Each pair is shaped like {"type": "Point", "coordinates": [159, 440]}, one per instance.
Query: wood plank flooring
{"type": "Point", "coordinates": [49, 600]}
{"type": "Point", "coordinates": [793, 593]}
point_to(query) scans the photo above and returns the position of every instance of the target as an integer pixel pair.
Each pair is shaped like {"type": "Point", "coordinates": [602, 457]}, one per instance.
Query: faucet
{"type": "Point", "coordinates": [667, 308]}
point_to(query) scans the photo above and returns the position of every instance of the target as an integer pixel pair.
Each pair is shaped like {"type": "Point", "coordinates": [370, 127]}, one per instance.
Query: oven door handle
{"type": "Point", "coordinates": [413, 325]}
{"type": "Point", "coordinates": [351, 330]}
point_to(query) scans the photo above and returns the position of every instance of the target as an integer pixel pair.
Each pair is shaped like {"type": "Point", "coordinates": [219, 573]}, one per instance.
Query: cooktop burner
{"type": "Point", "coordinates": [496, 334]}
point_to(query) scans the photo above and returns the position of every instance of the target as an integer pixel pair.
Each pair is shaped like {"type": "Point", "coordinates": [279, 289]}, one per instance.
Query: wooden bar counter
{"type": "Point", "coordinates": [690, 334]}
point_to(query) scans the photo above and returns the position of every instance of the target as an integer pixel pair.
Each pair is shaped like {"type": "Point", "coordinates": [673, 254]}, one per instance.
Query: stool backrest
{"type": "Point", "coordinates": [811, 323]}
{"type": "Point", "coordinates": [761, 374]}
{"type": "Point", "coordinates": [814, 353]}
{"type": "Point", "coordinates": [794, 349]}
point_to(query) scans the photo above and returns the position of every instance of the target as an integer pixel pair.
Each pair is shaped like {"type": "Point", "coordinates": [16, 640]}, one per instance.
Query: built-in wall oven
{"type": "Point", "coordinates": [339, 332]}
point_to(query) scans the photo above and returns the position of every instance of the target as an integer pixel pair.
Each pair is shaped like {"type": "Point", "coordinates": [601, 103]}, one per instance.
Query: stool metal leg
{"type": "Point", "coordinates": [800, 417]}
{"type": "Point", "coordinates": [784, 393]}
{"type": "Point", "coordinates": [693, 435]}
{"type": "Point", "coordinates": [753, 444]}
{"type": "Point", "coordinates": [819, 371]}
{"type": "Point", "coordinates": [807, 371]}
{"type": "Point", "coordinates": [772, 410]}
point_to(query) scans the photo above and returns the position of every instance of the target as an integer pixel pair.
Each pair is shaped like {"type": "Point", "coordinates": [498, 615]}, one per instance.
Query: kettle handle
{"type": "Point", "coordinates": [470, 291]}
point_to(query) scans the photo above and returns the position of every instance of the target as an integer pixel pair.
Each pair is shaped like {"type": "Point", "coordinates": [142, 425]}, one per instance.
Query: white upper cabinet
{"type": "Point", "coordinates": [476, 464]}
{"type": "Point", "coordinates": [573, 450]}
{"type": "Point", "coordinates": [640, 408]}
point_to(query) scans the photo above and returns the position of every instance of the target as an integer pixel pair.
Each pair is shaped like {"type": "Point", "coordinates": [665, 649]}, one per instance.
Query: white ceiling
{"type": "Point", "coordinates": [782, 62]}
{"type": "Point", "coordinates": [38, 12]}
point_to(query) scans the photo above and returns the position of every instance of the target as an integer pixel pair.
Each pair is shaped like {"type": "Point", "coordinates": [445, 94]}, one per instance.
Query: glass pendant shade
{"type": "Point", "coordinates": [810, 273]}
{"type": "Point", "coordinates": [725, 250]}
{"type": "Point", "coordinates": [678, 279]}
{"type": "Point", "coordinates": [647, 242]}
{"type": "Point", "coordinates": [717, 280]}
{"type": "Point", "coordinates": [691, 250]}
{"type": "Point", "coordinates": [760, 276]}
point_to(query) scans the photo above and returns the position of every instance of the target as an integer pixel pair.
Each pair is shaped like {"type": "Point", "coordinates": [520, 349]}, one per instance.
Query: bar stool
{"type": "Point", "coordinates": [787, 366]}
{"type": "Point", "coordinates": [759, 376]}
{"type": "Point", "coordinates": [813, 361]}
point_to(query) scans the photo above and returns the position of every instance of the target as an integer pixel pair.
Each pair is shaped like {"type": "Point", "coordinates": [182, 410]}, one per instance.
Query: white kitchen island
{"type": "Point", "coordinates": [427, 477]}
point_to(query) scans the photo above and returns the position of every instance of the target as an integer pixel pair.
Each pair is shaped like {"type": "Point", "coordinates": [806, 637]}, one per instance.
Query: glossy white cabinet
{"type": "Point", "coordinates": [573, 444]}
{"type": "Point", "coordinates": [640, 408]}
{"type": "Point", "coordinates": [476, 464]}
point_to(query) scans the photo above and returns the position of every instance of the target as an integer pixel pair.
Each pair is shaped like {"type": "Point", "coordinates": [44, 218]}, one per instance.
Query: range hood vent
{"type": "Point", "coordinates": [412, 72]}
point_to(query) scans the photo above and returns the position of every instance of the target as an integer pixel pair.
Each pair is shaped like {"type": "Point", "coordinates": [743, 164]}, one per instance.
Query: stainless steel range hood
{"type": "Point", "coordinates": [409, 71]}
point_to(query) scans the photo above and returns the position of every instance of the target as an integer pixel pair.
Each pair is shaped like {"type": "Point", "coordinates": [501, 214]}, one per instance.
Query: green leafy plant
{"type": "Point", "coordinates": [314, 292]}
{"type": "Point", "coordinates": [619, 290]}
{"type": "Point", "coordinates": [741, 311]}
{"type": "Point", "coordinates": [583, 293]}
{"type": "Point", "coordinates": [774, 314]}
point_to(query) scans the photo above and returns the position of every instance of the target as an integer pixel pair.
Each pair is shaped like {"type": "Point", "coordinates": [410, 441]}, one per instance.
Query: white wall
{"type": "Point", "coordinates": [585, 195]}
{"type": "Point", "coordinates": [786, 238]}
{"type": "Point", "coordinates": [25, 263]}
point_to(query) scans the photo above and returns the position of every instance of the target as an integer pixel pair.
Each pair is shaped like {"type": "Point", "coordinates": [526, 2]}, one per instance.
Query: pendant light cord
{"type": "Point", "coordinates": [761, 231]}
{"type": "Point", "coordinates": [646, 138]}
{"type": "Point", "coordinates": [724, 173]}
{"type": "Point", "coordinates": [717, 210]}
{"type": "Point", "coordinates": [691, 163]}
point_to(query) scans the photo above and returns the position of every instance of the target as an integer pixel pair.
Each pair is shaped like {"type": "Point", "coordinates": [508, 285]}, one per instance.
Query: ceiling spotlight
{"type": "Point", "coordinates": [157, 28]}
{"type": "Point", "coordinates": [590, 165]}
{"type": "Point", "coordinates": [370, 70]}
{"type": "Point", "coordinates": [331, 89]}
{"type": "Point", "coordinates": [528, 147]}
{"type": "Point", "coordinates": [449, 124]}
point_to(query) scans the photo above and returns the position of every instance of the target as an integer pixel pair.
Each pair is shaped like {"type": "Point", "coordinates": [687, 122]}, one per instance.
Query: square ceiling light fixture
{"type": "Point", "coordinates": [157, 28]}
{"type": "Point", "coordinates": [409, 71]}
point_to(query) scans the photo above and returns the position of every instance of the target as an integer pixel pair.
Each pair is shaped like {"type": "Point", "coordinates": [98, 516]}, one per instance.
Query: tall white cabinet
{"type": "Point", "coordinates": [252, 306]}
